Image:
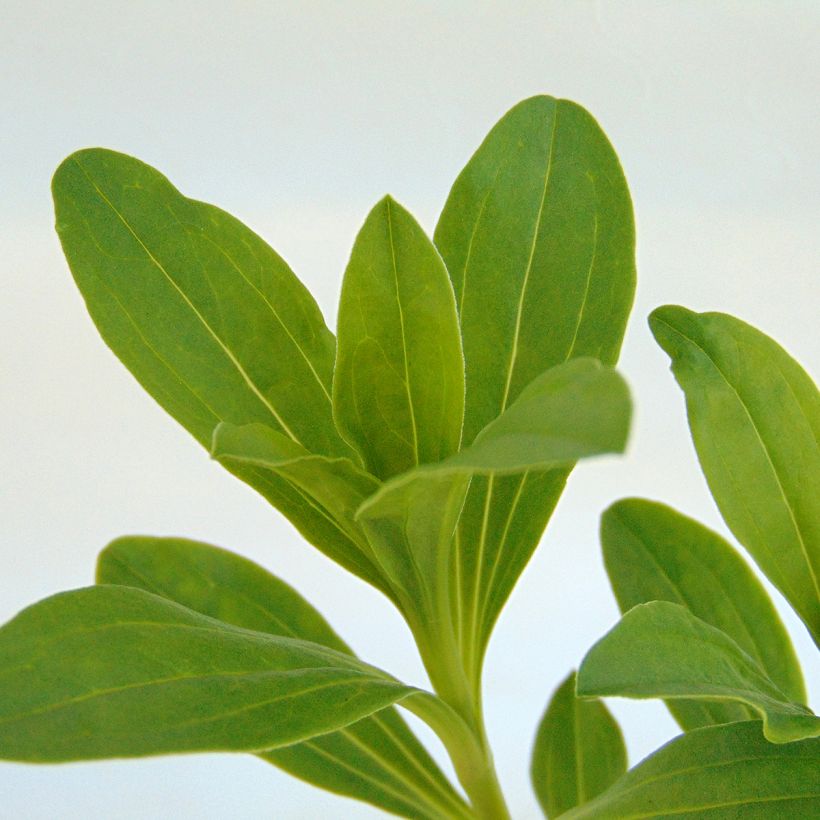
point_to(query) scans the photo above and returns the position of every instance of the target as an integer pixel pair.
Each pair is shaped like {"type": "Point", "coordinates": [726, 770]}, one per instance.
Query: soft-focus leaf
{"type": "Point", "coordinates": [208, 318]}
{"type": "Point", "coordinates": [716, 773]}
{"type": "Point", "coordinates": [398, 387]}
{"type": "Point", "coordinates": [336, 486]}
{"type": "Point", "coordinates": [579, 751]}
{"type": "Point", "coordinates": [653, 553]}
{"type": "Point", "coordinates": [113, 671]}
{"type": "Point", "coordinates": [538, 238]}
{"type": "Point", "coordinates": [755, 420]}
{"type": "Point", "coordinates": [661, 650]}
{"type": "Point", "coordinates": [575, 410]}
{"type": "Point", "coordinates": [377, 759]}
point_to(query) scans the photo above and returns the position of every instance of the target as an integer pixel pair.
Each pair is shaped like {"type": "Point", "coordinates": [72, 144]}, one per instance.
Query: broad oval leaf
{"type": "Point", "coordinates": [538, 237]}
{"type": "Point", "coordinates": [653, 553]}
{"type": "Point", "coordinates": [377, 759]}
{"type": "Point", "coordinates": [398, 387]}
{"type": "Point", "coordinates": [579, 751]}
{"type": "Point", "coordinates": [661, 650]}
{"type": "Point", "coordinates": [114, 671]}
{"type": "Point", "coordinates": [755, 420]}
{"type": "Point", "coordinates": [207, 317]}
{"type": "Point", "coordinates": [725, 772]}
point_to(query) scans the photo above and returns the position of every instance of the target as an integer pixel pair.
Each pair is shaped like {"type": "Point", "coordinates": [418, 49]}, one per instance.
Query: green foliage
{"type": "Point", "coordinates": [425, 453]}
{"type": "Point", "coordinates": [538, 238]}
{"type": "Point", "coordinates": [113, 671]}
{"type": "Point", "coordinates": [377, 759]}
{"type": "Point", "coordinates": [755, 419]}
{"type": "Point", "coordinates": [398, 387]}
{"type": "Point", "coordinates": [579, 751]}
{"type": "Point", "coordinates": [661, 650]}
{"type": "Point", "coordinates": [653, 553]}
{"type": "Point", "coordinates": [716, 773]}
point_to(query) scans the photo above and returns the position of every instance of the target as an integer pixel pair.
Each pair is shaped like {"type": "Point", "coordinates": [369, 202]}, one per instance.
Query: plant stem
{"type": "Point", "coordinates": [469, 752]}
{"type": "Point", "coordinates": [456, 715]}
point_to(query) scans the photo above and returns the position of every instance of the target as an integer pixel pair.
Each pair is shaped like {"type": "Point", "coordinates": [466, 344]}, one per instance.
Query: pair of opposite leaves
{"type": "Point", "coordinates": [537, 238]}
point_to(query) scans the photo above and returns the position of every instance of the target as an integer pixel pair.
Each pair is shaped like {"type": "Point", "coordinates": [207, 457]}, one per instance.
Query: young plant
{"type": "Point", "coordinates": [424, 450]}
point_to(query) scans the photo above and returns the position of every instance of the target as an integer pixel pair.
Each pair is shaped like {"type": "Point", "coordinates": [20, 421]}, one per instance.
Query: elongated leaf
{"type": "Point", "coordinates": [575, 410]}
{"type": "Point", "coordinates": [653, 553]}
{"type": "Point", "coordinates": [716, 773]}
{"type": "Point", "coordinates": [113, 671]}
{"type": "Point", "coordinates": [336, 486]}
{"type": "Point", "coordinates": [661, 650]}
{"type": "Point", "coordinates": [579, 751]}
{"type": "Point", "coordinates": [538, 238]}
{"type": "Point", "coordinates": [398, 388]}
{"type": "Point", "coordinates": [410, 523]}
{"type": "Point", "coordinates": [755, 420]}
{"type": "Point", "coordinates": [208, 318]}
{"type": "Point", "coordinates": [376, 759]}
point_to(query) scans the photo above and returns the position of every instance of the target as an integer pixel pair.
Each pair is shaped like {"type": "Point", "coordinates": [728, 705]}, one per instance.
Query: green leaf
{"type": "Point", "coordinates": [575, 410]}
{"type": "Point", "coordinates": [336, 486]}
{"type": "Point", "coordinates": [572, 411]}
{"type": "Point", "coordinates": [755, 420]}
{"type": "Point", "coordinates": [410, 523]}
{"type": "Point", "coordinates": [377, 759]}
{"type": "Point", "coordinates": [113, 671]}
{"type": "Point", "coordinates": [538, 238]}
{"type": "Point", "coordinates": [398, 387]}
{"type": "Point", "coordinates": [579, 751]}
{"type": "Point", "coordinates": [208, 318]}
{"type": "Point", "coordinates": [653, 553]}
{"type": "Point", "coordinates": [716, 773]}
{"type": "Point", "coordinates": [661, 650]}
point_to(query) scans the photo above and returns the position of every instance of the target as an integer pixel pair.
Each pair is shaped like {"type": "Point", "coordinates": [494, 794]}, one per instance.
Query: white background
{"type": "Point", "coordinates": [297, 117]}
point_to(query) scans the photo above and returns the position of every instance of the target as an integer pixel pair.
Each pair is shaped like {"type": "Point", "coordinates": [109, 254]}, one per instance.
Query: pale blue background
{"type": "Point", "coordinates": [297, 117]}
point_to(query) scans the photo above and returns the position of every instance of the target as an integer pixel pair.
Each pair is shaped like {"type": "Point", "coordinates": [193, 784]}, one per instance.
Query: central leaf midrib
{"type": "Point", "coordinates": [403, 333]}
{"type": "Point", "coordinates": [215, 676]}
{"type": "Point", "coordinates": [531, 257]}
{"type": "Point", "coordinates": [299, 349]}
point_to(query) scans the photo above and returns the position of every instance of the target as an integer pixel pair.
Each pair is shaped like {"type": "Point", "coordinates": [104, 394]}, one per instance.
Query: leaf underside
{"type": "Point", "coordinates": [114, 671]}
{"type": "Point", "coordinates": [725, 772]}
